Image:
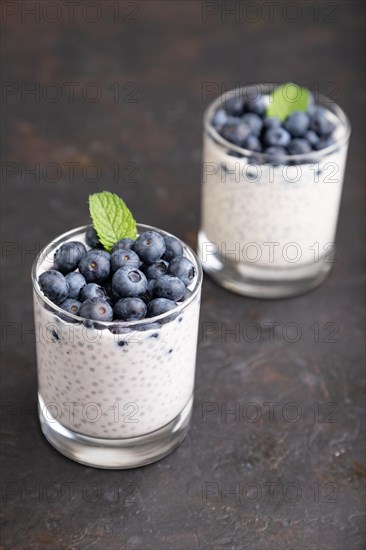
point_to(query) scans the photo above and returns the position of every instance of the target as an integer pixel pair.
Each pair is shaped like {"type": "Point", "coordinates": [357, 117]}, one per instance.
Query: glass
{"type": "Point", "coordinates": [268, 231]}
{"type": "Point", "coordinates": [118, 394]}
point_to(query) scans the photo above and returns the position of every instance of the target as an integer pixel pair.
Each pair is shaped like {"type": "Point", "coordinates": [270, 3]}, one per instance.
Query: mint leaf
{"type": "Point", "coordinates": [287, 99]}
{"type": "Point", "coordinates": [112, 220]}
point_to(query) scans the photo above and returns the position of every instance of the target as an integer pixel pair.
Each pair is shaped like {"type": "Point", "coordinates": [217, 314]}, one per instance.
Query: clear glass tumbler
{"type": "Point", "coordinates": [268, 230]}
{"type": "Point", "coordinates": [118, 394]}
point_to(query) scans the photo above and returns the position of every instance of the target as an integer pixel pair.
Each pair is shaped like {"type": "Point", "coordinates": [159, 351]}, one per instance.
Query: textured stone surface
{"type": "Point", "coordinates": [163, 60]}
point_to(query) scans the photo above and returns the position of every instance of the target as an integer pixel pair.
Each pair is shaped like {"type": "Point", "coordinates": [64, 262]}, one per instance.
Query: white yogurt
{"type": "Point", "coordinates": [114, 385]}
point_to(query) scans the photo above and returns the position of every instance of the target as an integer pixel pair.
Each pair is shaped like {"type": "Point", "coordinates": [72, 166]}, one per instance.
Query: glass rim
{"type": "Point", "coordinates": [264, 158]}
{"type": "Point", "coordinates": [64, 237]}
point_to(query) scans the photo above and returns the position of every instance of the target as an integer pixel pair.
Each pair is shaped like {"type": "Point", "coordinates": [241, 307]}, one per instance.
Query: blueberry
{"type": "Point", "coordinates": [271, 122]}
{"type": "Point", "coordinates": [71, 306]}
{"type": "Point", "coordinates": [229, 130]}
{"type": "Point", "coordinates": [183, 269]}
{"type": "Point", "coordinates": [92, 239]}
{"type": "Point", "coordinates": [236, 132]}
{"type": "Point", "coordinates": [119, 328]}
{"type": "Point", "coordinates": [276, 153]}
{"type": "Point", "coordinates": [91, 291]}
{"type": "Point", "coordinates": [96, 309]}
{"type": "Point", "coordinates": [159, 306]}
{"type": "Point", "coordinates": [312, 138]}
{"type": "Point", "coordinates": [68, 256]}
{"type": "Point", "coordinates": [276, 150]}
{"type": "Point", "coordinates": [253, 160]}
{"type": "Point", "coordinates": [254, 122]}
{"type": "Point", "coordinates": [234, 154]}
{"type": "Point", "coordinates": [76, 282]}
{"type": "Point", "coordinates": [325, 141]}
{"type": "Point", "coordinates": [173, 248]}
{"type": "Point", "coordinates": [253, 144]}
{"type": "Point", "coordinates": [150, 246]}
{"type": "Point", "coordinates": [155, 270]}
{"type": "Point", "coordinates": [81, 247]}
{"type": "Point", "coordinates": [107, 287]}
{"type": "Point", "coordinates": [219, 119]}
{"type": "Point", "coordinates": [187, 294]}
{"type": "Point", "coordinates": [297, 123]}
{"type": "Point", "coordinates": [130, 309]}
{"type": "Point", "coordinates": [234, 106]}
{"type": "Point", "coordinates": [127, 282]}
{"type": "Point", "coordinates": [299, 146]}
{"type": "Point", "coordinates": [255, 105]}
{"type": "Point", "coordinates": [277, 136]}
{"type": "Point", "coordinates": [170, 287]}
{"type": "Point", "coordinates": [312, 108]}
{"type": "Point", "coordinates": [148, 295]}
{"type": "Point", "coordinates": [124, 258]}
{"type": "Point", "coordinates": [54, 285]}
{"type": "Point", "coordinates": [321, 123]}
{"type": "Point", "coordinates": [123, 243]}
{"type": "Point", "coordinates": [95, 266]}
{"type": "Point", "coordinates": [110, 301]}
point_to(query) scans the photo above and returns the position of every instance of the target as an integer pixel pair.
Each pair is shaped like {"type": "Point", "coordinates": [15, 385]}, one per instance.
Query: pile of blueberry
{"type": "Point", "coordinates": [138, 279]}
{"type": "Point", "coordinates": [243, 123]}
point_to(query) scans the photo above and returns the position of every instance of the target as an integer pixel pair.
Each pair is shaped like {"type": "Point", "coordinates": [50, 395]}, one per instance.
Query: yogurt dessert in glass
{"type": "Point", "coordinates": [273, 167]}
{"type": "Point", "coordinates": [116, 393]}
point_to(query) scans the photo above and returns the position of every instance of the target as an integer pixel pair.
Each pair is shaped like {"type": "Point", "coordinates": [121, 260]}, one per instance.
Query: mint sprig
{"type": "Point", "coordinates": [287, 99]}
{"type": "Point", "coordinates": [112, 220]}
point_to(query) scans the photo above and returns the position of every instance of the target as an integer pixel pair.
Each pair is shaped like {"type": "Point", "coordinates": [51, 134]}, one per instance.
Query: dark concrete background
{"type": "Point", "coordinates": [161, 54]}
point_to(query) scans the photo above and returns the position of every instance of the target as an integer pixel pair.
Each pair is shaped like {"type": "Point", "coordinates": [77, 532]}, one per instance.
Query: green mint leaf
{"type": "Point", "coordinates": [112, 220]}
{"type": "Point", "coordinates": [287, 99]}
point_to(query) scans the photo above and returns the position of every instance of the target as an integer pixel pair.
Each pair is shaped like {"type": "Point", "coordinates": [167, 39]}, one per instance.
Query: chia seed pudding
{"type": "Point", "coordinates": [116, 379]}
{"type": "Point", "coordinates": [262, 214]}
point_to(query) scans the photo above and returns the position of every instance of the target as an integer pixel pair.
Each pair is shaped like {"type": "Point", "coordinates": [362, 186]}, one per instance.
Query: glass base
{"type": "Point", "coordinates": [116, 453]}
{"type": "Point", "coordinates": [261, 282]}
